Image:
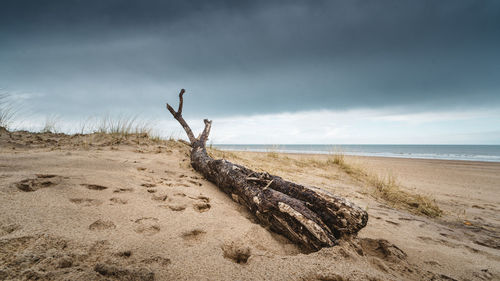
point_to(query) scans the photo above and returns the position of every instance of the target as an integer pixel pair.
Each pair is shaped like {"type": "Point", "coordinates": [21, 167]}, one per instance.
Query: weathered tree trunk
{"type": "Point", "coordinates": [308, 216]}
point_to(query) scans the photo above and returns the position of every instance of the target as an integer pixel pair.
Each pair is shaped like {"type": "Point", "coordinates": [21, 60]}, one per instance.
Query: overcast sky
{"type": "Point", "coordinates": [399, 71]}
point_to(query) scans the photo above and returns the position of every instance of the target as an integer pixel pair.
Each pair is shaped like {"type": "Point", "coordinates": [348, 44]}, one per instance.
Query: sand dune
{"type": "Point", "coordinates": [98, 207]}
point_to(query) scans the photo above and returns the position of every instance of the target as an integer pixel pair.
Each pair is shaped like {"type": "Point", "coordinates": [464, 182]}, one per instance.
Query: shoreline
{"type": "Point", "coordinates": [326, 154]}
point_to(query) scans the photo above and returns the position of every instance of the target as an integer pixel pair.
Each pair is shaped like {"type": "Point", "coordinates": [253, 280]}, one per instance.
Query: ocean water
{"type": "Point", "coordinates": [489, 153]}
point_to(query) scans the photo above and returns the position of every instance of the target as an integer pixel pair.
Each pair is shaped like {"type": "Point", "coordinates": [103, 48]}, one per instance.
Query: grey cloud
{"type": "Point", "coordinates": [238, 57]}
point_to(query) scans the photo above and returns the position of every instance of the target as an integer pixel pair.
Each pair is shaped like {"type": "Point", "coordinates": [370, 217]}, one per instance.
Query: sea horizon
{"type": "Point", "coordinates": [469, 152]}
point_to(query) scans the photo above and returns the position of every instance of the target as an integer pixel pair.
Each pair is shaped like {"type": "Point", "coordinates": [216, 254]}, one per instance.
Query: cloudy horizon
{"type": "Point", "coordinates": [283, 72]}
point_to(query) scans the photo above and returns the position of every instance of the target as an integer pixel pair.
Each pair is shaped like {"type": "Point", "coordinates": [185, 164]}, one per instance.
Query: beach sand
{"type": "Point", "coordinates": [99, 207]}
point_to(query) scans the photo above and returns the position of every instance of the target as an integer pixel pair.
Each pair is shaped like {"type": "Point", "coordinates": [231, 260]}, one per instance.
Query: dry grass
{"type": "Point", "coordinates": [339, 159]}
{"type": "Point", "coordinates": [274, 163]}
{"type": "Point", "coordinates": [93, 131]}
{"type": "Point", "coordinates": [273, 152]}
{"type": "Point", "coordinates": [222, 154]}
{"type": "Point", "coordinates": [51, 124]}
{"type": "Point", "coordinates": [8, 110]}
{"type": "Point", "coordinates": [388, 188]}
{"type": "Point", "coordinates": [120, 128]}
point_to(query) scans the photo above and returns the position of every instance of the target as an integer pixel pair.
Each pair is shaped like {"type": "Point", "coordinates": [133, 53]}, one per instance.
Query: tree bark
{"type": "Point", "coordinates": [306, 215]}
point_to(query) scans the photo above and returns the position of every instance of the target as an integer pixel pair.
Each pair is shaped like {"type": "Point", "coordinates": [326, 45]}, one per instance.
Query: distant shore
{"type": "Point", "coordinates": [474, 153]}
{"type": "Point", "coordinates": [469, 162]}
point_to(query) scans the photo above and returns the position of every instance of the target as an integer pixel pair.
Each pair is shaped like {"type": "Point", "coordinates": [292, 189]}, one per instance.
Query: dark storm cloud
{"type": "Point", "coordinates": [251, 57]}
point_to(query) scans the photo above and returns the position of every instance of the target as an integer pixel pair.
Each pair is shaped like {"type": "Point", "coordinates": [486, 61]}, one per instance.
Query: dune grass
{"type": "Point", "coordinates": [120, 127]}
{"type": "Point", "coordinates": [8, 110]}
{"type": "Point", "coordinates": [388, 188]}
{"type": "Point", "coordinates": [273, 152]}
{"type": "Point", "coordinates": [222, 154]}
{"type": "Point", "coordinates": [51, 124]}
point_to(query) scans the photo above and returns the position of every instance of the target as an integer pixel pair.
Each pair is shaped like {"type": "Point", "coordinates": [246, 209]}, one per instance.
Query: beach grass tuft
{"type": "Point", "coordinates": [388, 188]}
{"type": "Point", "coordinates": [120, 127]}
{"type": "Point", "coordinates": [51, 124]}
{"type": "Point", "coordinates": [8, 110]}
{"type": "Point", "coordinates": [273, 152]}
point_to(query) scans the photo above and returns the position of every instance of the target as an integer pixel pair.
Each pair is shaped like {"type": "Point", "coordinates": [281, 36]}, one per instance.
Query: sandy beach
{"type": "Point", "coordinates": [97, 207]}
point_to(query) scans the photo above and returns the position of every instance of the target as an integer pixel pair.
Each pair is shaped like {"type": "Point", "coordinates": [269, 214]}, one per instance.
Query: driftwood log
{"type": "Point", "coordinates": [306, 215]}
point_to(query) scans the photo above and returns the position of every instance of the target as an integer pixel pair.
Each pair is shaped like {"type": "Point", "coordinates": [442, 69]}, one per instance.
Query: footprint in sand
{"type": "Point", "coordinates": [203, 205]}
{"type": "Point", "coordinates": [94, 186]}
{"type": "Point", "coordinates": [147, 226]}
{"type": "Point", "coordinates": [157, 260]}
{"type": "Point", "coordinates": [195, 182]}
{"type": "Point", "coordinates": [166, 181]}
{"type": "Point", "coordinates": [178, 202]}
{"type": "Point", "coordinates": [124, 254]}
{"type": "Point", "coordinates": [40, 181]}
{"type": "Point", "coordinates": [175, 207]}
{"type": "Point", "coordinates": [102, 225]}
{"type": "Point", "coordinates": [159, 197]}
{"type": "Point", "coordinates": [182, 184]}
{"type": "Point", "coordinates": [433, 263]}
{"type": "Point", "coordinates": [117, 200]}
{"type": "Point", "coordinates": [203, 198]}
{"type": "Point", "coordinates": [381, 249]}
{"type": "Point", "coordinates": [236, 252]}
{"type": "Point", "coordinates": [87, 202]}
{"type": "Point", "coordinates": [193, 236]}
{"type": "Point", "coordinates": [122, 190]}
